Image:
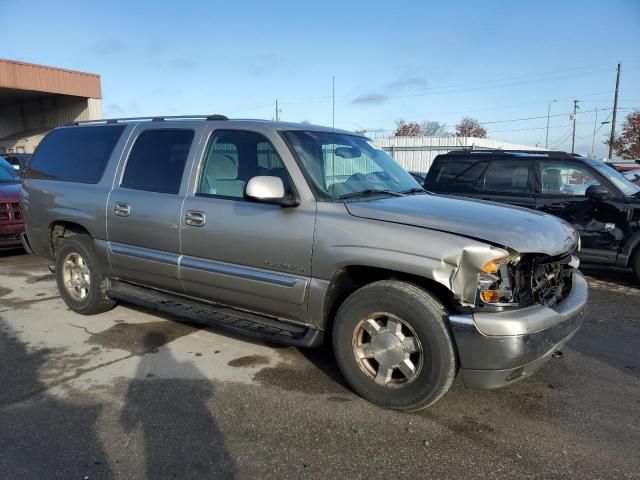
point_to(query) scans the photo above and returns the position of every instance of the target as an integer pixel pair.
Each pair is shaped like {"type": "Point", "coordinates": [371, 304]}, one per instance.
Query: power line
{"type": "Point", "coordinates": [496, 83]}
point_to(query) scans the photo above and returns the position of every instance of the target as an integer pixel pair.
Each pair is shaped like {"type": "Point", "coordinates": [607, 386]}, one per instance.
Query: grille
{"type": "Point", "coordinates": [10, 211]}
{"type": "Point", "coordinates": [549, 282]}
{"type": "Point", "coordinates": [542, 280]}
{"type": "Point", "coordinates": [17, 212]}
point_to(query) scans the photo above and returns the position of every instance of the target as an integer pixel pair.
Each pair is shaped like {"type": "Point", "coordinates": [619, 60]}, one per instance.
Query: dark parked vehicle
{"type": "Point", "coordinates": [302, 234]}
{"type": "Point", "coordinates": [11, 222]}
{"type": "Point", "coordinates": [419, 177]}
{"type": "Point", "coordinates": [599, 201]}
{"type": "Point", "coordinates": [18, 161]}
{"type": "Point", "coordinates": [633, 176]}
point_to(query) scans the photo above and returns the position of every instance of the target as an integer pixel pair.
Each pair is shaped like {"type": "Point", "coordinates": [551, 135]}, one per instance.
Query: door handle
{"type": "Point", "coordinates": [195, 219]}
{"type": "Point", "coordinates": [122, 209]}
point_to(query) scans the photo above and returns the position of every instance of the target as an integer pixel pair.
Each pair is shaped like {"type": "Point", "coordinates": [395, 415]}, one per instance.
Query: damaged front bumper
{"type": "Point", "coordinates": [497, 349]}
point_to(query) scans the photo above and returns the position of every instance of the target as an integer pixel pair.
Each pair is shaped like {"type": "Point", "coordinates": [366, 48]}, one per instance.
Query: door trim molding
{"type": "Point", "coordinates": [211, 266]}
{"type": "Point", "coordinates": [144, 253]}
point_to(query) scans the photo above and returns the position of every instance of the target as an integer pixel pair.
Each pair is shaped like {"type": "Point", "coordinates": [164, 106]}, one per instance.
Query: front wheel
{"type": "Point", "coordinates": [393, 346]}
{"type": "Point", "coordinates": [81, 280]}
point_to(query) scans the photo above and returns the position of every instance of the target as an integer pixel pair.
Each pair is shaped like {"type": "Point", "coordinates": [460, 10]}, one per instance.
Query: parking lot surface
{"type": "Point", "coordinates": [130, 394]}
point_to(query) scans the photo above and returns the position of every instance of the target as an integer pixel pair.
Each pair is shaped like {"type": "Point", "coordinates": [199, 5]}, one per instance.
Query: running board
{"type": "Point", "coordinates": [225, 318]}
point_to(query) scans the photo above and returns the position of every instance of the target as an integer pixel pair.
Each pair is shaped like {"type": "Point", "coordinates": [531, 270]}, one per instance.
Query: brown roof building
{"type": "Point", "coordinates": [36, 98]}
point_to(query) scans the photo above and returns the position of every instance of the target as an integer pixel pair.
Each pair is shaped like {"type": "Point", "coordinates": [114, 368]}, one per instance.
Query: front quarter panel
{"type": "Point", "coordinates": [451, 260]}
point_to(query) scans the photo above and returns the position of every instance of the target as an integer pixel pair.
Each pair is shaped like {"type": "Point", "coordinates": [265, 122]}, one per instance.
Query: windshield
{"type": "Point", "coordinates": [7, 172]}
{"type": "Point", "coordinates": [623, 184]}
{"type": "Point", "coordinates": [344, 166]}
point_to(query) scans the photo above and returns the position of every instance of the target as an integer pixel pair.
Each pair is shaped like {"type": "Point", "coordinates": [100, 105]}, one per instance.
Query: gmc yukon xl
{"type": "Point", "coordinates": [302, 234]}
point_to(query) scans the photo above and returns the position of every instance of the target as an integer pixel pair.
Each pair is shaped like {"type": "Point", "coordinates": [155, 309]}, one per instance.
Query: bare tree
{"type": "Point", "coordinates": [404, 129]}
{"type": "Point", "coordinates": [434, 129]}
{"type": "Point", "coordinates": [470, 127]}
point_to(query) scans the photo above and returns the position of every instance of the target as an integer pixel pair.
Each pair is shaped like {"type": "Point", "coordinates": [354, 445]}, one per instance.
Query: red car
{"type": "Point", "coordinates": [11, 222]}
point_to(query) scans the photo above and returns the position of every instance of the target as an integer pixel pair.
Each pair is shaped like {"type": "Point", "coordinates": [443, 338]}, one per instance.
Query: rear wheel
{"type": "Point", "coordinates": [393, 346]}
{"type": "Point", "coordinates": [81, 281]}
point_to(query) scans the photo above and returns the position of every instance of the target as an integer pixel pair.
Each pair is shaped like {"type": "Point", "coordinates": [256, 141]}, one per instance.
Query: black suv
{"type": "Point", "coordinates": [599, 201]}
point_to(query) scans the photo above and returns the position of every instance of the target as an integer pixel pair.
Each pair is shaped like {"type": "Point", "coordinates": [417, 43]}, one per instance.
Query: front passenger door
{"type": "Point", "coordinates": [563, 187]}
{"type": "Point", "coordinates": [255, 256]}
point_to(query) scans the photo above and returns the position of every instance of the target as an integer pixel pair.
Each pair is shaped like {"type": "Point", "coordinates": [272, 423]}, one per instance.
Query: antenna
{"type": "Point", "coordinates": [333, 102]}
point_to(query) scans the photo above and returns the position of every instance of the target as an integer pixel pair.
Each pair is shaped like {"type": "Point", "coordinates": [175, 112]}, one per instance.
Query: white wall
{"type": "Point", "coordinates": [417, 153]}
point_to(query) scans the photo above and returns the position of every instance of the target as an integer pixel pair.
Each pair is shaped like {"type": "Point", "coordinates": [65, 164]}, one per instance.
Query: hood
{"type": "Point", "coordinates": [10, 191]}
{"type": "Point", "coordinates": [521, 229]}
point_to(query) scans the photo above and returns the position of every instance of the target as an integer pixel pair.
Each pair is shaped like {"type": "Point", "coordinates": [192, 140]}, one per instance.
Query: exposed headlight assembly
{"type": "Point", "coordinates": [495, 281]}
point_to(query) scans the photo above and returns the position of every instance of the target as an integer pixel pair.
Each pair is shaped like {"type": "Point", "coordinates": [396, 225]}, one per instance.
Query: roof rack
{"type": "Point", "coordinates": [552, 153]}
{"type": "Point", "coordinates": [215, 116]}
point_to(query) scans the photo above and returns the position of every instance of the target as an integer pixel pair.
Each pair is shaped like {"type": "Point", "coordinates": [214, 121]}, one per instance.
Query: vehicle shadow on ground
{"type": "Point", "coordinates": [614, 276]}
{"type": "Point", "coordinates": [180, 436]}
{"type": "Point", "coordinates": [611, 334]}
{"type": "Point", "coordinates": [42, 435]}
{"type": "Point", "coordinates": [166, 423]}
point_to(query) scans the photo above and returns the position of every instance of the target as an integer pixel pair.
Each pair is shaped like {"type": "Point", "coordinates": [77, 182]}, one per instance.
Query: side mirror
{"type": "Point", "coordinates": [597, 192]}
{"type": "Point", "coordinates": [266, 189]}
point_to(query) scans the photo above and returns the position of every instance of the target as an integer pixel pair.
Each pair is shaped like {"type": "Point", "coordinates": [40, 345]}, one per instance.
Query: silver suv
{"type": "Point", "coordinates": [302, 234]}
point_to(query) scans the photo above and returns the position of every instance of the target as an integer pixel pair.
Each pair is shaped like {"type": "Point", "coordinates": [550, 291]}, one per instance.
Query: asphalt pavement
{"type": "Point", "coordinates": [130, 394]}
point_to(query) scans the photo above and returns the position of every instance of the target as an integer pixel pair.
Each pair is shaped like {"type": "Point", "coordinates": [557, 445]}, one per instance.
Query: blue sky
{"type": "Point", "coordinates": [497, 61]}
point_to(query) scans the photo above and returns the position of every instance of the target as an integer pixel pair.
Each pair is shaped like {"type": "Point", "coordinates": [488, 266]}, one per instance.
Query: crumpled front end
{"type": "Point", "coordinates": [504, 342]}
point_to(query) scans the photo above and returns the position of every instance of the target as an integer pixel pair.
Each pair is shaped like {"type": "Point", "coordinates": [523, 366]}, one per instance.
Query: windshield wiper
{"type": "Point", "coordinates": [367, 192]}
{"type": "Point", "coordinates": [414, 190]}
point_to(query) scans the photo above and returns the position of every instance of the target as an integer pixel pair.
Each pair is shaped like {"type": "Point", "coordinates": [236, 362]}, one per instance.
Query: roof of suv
{"type": "Point", "coordinates": [193, 119]}
{"type": "Point", "coordinates": [511, 154]}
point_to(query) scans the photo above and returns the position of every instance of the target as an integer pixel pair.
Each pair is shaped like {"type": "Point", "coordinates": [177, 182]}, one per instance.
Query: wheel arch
{"type": "Point", "coordinates": [350, 278]}
{"type": "Point", "coordinates": [59, 229]}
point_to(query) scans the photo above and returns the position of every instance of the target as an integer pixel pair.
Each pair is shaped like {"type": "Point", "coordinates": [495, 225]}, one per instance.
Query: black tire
{"type": "Point", "coordinates": [426, 316]}
{"type": "Point", "coordinates": [635, 264]}
{"type": "Point", "coordinates": [96, 300]}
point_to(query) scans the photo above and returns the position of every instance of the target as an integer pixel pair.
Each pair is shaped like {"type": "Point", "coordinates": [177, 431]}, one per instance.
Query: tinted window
{"type": "Point", "coordinates": [233, 158]}
{"type": "Point", "coordinates": [566, 179]}
{"type": "Point", "coordinates": [455, 177]}
{"type": "Point", "coordinates": [75, 154]}
{"type": "Point", "coordinates": [507, 177]}
{"type": "Point", "coordinates": [157, 160]}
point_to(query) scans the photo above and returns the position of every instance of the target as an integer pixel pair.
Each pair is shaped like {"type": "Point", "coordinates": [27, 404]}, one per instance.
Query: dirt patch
{"type": "Point", "coordinates": [249, 361]}
{"type": "Point", "coordinates": [141, 338]}
{"type": "Point", "coordinates": [5, 291]}
{"type": "Point", "coordinates": [17, 304]}
{"type": "Point", "coordinates": [306, 380]}
{"type": "Point", "coordinates": [40, 278]}
{"type": "Point", "coordinates": [469, 425]}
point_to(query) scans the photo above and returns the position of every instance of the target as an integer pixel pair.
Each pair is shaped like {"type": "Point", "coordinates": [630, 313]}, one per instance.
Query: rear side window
{"type": "Point", "coordinates": [75, 154]}
{"type": "Point", "coordinates": [157, 160]}
{"type": "Point", "coordinates": [455, 177]}
{"type": "Point", "coordinates": [507, 177]}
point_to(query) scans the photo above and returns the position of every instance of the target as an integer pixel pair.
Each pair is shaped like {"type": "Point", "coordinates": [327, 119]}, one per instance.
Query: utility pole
{"type": "Point", "coordinates": [277, 111]}
{"type": "Point", "coordinates": [546, 141]}
{"type": "Point", "coordinates": [613, 118]}
{"type": "Point", "coordinates": [573, 137]}
{"type": "Point", "coordinates": [593, 140]}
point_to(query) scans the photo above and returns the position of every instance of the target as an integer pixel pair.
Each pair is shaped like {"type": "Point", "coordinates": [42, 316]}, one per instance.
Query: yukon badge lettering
{"type": "Point", "coordinates": [283, 266]}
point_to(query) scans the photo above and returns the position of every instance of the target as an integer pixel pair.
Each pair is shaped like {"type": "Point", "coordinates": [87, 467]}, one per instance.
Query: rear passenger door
{"type": "Point", "coordinates": [144, 206]}
{"type": "Point", "coordinates": [505, 181]}
{"type": "Point", "coordinates": [245, 254]}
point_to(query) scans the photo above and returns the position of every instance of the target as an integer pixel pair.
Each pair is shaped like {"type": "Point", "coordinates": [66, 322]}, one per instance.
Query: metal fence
{"type": "Point", "coordinates": [417, 153]}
